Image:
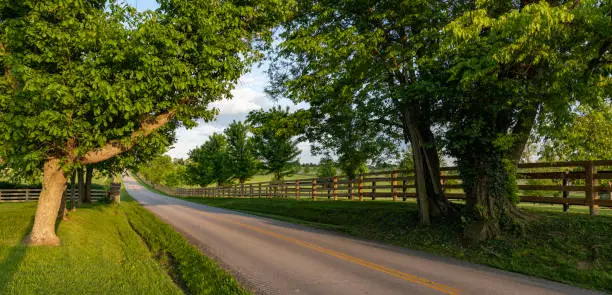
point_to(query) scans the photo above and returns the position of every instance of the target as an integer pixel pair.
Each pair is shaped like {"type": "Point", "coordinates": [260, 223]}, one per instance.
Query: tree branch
{"type": "Point", "coordinates": [115, 147]}
{"type": "Point", "coordinates": [522, 130]}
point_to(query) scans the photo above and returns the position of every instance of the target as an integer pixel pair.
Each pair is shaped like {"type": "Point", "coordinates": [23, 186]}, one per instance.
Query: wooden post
{"type": "Point", "coordinates": [404, 188]}
{"type": "Point", "coordinates": [283, 190]}
{"type": "Point", "coordinates": [27, 196]}
{"type": "Point", "coordinates": [591, 193]}
{"type": "Point", "coordinates": [565, 193]}
{"type": "Point", "coordinates": [328, 184]}
{"type": "Point", "coordinates": [373, 190]}
{"type": "Point", "coordinates": [297, 189]}
{"type": "Point", "coordinates": [351, 192]}
{"type": "Point", "coordinates": [259, 190]}
{"type": "Point", "coordinates": [250, 190]}
{"type": "Point", "coordinates": [394, 186]}
{"type": "Point", "coordinates": [115, 193]}
{"type": "Point", "coordinates": [314, 189]}
{"type": "Point", "coordinates": [335, 188]}
{"type": "Point", "coordinates": [286, 185]}
{"type": "Point", "coordinates": [360, 188]}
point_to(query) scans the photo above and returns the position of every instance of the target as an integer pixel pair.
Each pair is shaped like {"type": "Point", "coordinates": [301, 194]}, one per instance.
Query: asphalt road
{"type": "Point", "coordinates": [275, 257]}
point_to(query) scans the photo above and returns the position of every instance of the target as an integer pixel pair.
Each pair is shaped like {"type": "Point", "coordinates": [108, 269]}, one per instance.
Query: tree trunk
{"type": "Point", "coordinates": [73, 199]}
{"type": "Point", "coordinates": [62, 210]}
{"type": "Point", "coordinates": [88, 177]}
{"type": "Point", "coordinates": [81, 178]}
{"type": "Point", "coordinates": [431, 199]}
{"type": "Point", "coordinates": [54, 184]}
{"type": "Point", "coordinates": [491, 192]}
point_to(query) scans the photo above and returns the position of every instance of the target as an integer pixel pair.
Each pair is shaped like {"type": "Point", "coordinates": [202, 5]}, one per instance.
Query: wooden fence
{"type": "Point", "coordinates": [586, 183]}
{"type": "Point", "coordinates": [32, 194]}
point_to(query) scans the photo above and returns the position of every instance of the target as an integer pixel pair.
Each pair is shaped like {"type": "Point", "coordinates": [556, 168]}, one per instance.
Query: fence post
{"type": "Point", "coordinates": [591, 194]}
{"type": "Point", "coordinates": [360, 187]}
{"type": "Point", "coordinates": [286, 185]}
{"type": "Point", "coordinates": [27, 194]}
{"type": "Point", "coordinates": [394, 185]}
{"type": "Point", "coordinates": [328, 184]}
{"type": "Point", "coordinates": [565, 193]}
{"type": "Point", "coordinates": [373, 190]}
{"type": "Point", "coordinates": [314, 189]}
{"type": "Point", "coordinates": [351, 189]}
{"type": "Point", "coordinates": [335, 188]}
{"type": "Point", "coordinates": [404, 188]}
{"type": "Point", "coordinates": [297, 189]}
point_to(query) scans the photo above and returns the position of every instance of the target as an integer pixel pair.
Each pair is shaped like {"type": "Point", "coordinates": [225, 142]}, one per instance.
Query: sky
{"type": "Point", "coordinates": [247, 96]}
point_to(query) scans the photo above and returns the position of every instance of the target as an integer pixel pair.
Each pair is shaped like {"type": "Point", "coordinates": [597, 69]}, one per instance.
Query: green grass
{"type": "Point", "coordinates": [573, 248]}
{"type": "Point", "coordinates": [105, 250]}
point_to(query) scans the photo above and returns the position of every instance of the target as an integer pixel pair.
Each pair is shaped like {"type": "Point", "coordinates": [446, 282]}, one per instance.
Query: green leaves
{"type": "Point", "coordinates": [241, 151]}
{"type": "Point", "coordinates": [210, 162]}
{"type": "Point", "coordinates": [88, 73]}
{"type": "Point", "coordinates": [274, 139]}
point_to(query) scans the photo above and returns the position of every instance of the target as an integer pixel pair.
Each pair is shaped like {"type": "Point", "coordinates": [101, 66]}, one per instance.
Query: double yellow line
{"type": "Point", "coordinates": [390, 271]}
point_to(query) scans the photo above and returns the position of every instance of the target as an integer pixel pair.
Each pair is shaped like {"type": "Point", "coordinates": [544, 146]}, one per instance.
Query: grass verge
{"type": "Point", "coordinates": [105, 250]}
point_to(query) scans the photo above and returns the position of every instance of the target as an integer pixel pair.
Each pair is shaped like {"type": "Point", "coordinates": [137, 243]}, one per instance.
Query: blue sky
{"type": "Point", "coordinates": [249, 95]}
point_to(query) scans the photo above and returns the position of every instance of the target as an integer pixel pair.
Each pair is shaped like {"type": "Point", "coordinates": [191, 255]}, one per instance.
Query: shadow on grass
{"type": "Point", "coordinates": [9, 266]}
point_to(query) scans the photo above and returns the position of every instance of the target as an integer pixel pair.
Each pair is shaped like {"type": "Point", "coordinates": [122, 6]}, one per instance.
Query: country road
{"type": "Point", "coordinates": [274, 257]}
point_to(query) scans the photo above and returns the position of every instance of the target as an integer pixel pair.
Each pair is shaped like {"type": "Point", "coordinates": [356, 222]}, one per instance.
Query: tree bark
{"type": "Point", "coordinates": [88, 178]}
{"type": "Point", "coordinates": [81, 178]}
{"type": "Point", "coordinates": [490, 186]}
{"type": "Point", "coordinates": [73, 199]}
{"type": "Point", "coordinates": [431, 199]}
{"type": "Point", "coordinates": [116, 147]}
{"type": "Point", "coordinates": [54, 181]}
{"type": "Point", "coordinates": [62, 210]}
{"type": "Point", "coordinates": [522, 129]}
{"type": "Point", "coordinates": [54, 184]}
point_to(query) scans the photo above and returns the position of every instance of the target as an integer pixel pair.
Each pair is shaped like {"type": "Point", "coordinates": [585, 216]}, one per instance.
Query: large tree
{"type": "Point", "coordinates": [510, 62]}
{"type": "Point", "coordinates": [241, 151]}
{"type": "Point", "coordinates": [210, 162]}
{"type": "Point", "coordinates": [83, 81]}
{"type": "Point", "coordinates": [367, 54]}
{"type": "Point", "coordinates": [274, 139]}
{"type": "Point", "coordinates": [345, 128]}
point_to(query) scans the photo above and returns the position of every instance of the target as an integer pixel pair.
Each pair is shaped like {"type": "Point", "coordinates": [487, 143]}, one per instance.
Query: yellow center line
{"type": "Point", "coordinates": [371, 265]}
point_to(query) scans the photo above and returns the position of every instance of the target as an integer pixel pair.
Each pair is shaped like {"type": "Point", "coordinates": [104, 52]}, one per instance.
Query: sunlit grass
{"type": "Point", "coordinates": [105, 250]}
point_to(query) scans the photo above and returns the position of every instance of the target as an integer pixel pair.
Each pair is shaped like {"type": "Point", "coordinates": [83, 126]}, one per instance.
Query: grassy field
{"type": "Point", "coordinates": [105, 250]}
{"type": "Point", "coordinates": [573, 248]}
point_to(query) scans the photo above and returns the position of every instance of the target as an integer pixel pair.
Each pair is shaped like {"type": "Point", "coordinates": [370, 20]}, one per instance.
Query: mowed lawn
{"type": "Point", "coordinates": [567, 247]}
{"type": "Point", "coordinates": [105, 250]}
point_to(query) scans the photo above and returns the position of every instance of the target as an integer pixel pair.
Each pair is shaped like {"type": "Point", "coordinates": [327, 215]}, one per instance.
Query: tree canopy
{"type": "Point", "coordinates": [241, 151]}
{"type": "Point", "coordinates": [475, 77]}
{"type": "Point", "coordinates": [274, 138]}
{"type": "Point", "coordinates": [210, 162]}
{"type": "Point", "coordinates": [83, 81]}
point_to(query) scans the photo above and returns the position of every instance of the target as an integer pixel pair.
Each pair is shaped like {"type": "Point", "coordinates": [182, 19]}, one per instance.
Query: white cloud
{"type": "Point", "coordinates": [306, 156]}
{"type": "Point", "coordinates": [188, 139]}
{"type": "Point", "coordinates": [244, 100]}
{"type": "Point", "coordinates": [249, 95]}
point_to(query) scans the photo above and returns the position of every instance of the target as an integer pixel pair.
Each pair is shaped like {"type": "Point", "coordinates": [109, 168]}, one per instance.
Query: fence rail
{"type": "Point", "coordinates": [32, 194]}
{"type": "Point", "coordinates": [586, 183]}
